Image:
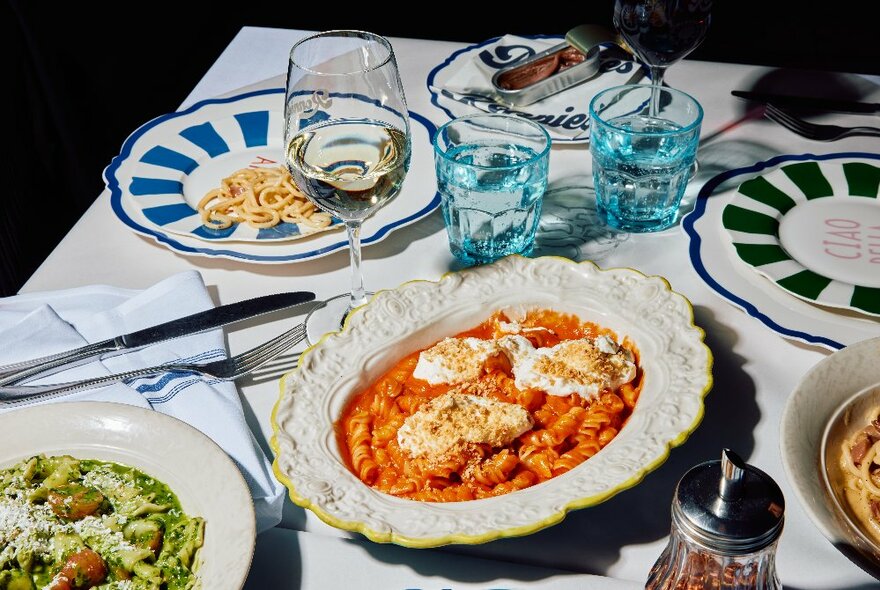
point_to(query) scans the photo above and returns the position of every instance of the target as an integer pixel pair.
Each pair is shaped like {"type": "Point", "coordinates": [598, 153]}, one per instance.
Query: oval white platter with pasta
{"type": "Point", "coordinates": [375, 433]}
{"type": "Point", "coordinates": [210, 155]}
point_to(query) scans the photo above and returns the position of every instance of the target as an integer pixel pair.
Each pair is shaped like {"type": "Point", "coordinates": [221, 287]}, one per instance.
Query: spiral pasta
{"type": "Point", "coordinates": [566, 431]}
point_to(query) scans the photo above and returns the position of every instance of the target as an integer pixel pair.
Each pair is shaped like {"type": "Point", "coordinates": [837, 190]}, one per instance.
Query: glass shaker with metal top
{"type": "Point", "coordinates": [726, 520]}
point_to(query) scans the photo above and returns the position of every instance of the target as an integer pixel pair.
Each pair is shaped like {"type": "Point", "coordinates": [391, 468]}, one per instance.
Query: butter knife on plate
{"type": "Point", "coordinates": [831, 105]}
{"type": "Point", "coordinates": [193, 324]}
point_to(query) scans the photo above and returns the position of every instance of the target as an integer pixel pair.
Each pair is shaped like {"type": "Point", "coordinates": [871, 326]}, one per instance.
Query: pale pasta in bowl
{"type": "Point", "coordinates": [490, 403]}
{"type": "Point", "coordinates": [851, 468]}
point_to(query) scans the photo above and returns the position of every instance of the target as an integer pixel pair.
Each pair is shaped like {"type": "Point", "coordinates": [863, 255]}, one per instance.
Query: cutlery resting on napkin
{"type": "Point", "coordinates": [40, 324]}
{"type": "Point", "coordinates": [192, 324]}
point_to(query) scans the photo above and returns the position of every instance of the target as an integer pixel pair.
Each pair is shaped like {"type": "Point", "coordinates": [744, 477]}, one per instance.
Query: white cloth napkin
{"type": "Point", "coordinates": [565, 114]}
{"type": "Point", "coordinates": [38, 324]}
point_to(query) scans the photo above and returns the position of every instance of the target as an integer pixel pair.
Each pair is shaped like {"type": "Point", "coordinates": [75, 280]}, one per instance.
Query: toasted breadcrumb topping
{"type": "Point", "coordinates": [454, 360]}
{"type": "Point", "coordinates": [448, 424]}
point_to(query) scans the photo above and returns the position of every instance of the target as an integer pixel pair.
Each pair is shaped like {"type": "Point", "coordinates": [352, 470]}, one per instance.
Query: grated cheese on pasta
{"type": "Point", "coordinates": [505, 405]}
{"type": "Point", "coordinates": [454, 420]}
{"type": "Point", "coordinates": [24, 527]}
{"type": "Point", "coordinates": [29, 527]}
{"type": "Point", "coordinates": [454, 360]}
{"type": "Point", "coordinates": [584, 366]}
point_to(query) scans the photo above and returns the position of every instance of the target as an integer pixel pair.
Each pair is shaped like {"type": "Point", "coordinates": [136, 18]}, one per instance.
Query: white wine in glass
{"type": "Point", "coordinates": [348, 140]}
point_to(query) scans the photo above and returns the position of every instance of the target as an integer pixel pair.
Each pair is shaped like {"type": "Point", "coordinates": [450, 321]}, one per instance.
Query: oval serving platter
{"type": "Point", "coordinates": [676, 363]}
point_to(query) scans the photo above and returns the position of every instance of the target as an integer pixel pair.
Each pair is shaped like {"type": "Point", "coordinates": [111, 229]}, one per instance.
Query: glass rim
{"type": "Point", "coordinates": [444, 154]}
{"type": "Point", "coordinates": [343, 33]}
{"type": "Point", "coordinates": [684, 129]}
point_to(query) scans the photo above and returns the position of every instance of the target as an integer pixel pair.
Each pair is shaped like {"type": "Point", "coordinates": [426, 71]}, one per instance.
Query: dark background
{"type": "Point", "coordinates": [82, 76]}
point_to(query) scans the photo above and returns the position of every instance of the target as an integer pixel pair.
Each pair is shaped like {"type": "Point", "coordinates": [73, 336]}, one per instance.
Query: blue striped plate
{"type": "Point", "coordinates": [167, 165]}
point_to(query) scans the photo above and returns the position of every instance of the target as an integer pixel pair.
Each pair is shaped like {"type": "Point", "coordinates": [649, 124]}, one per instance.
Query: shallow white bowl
{"type": "Point", "coordinates": [676, 364]}
{"type": "Point", "coordinates": [201, 474]}
{"type": "Point", "coordinates": [814, 403]}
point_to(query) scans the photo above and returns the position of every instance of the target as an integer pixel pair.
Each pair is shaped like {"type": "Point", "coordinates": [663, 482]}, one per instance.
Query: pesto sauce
{"type": "Point", "coordinates": [130, 495]}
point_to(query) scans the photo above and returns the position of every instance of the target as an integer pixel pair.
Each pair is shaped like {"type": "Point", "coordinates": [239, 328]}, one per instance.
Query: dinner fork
{"type": "Point", "coordinates": [815, 131]}
{"type": "Point", "coordinates": [227, 369]}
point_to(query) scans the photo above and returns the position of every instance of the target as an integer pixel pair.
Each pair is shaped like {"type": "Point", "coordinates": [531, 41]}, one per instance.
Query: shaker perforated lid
{"type": "Point", "coordinates": [729, 506]}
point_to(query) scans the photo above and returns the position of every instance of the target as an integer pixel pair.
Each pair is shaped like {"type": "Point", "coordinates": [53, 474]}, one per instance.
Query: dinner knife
{"type": "Point", "coordinates": [186, 326]}
{"type": "Point", "coordinates": [832, 105]}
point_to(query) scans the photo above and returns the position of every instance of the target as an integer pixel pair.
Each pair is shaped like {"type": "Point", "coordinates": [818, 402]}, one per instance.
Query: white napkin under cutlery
{"type": "Point", "coordinates": [38, 324]}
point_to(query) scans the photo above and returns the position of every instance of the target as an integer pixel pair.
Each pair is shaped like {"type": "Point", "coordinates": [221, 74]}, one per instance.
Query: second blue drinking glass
{"type": "Point", "coordinates": [491, 173]}
{"type": "Point", "coordinates": [642, 160]}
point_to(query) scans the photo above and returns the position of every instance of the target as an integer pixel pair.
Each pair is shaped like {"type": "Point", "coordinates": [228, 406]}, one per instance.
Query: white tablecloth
{"type": "Point", "coordinates": [754, 368]}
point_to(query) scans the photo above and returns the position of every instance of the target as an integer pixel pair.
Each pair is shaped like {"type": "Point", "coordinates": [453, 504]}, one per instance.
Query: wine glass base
{"type": "Point", "coordinates": [328, 317]}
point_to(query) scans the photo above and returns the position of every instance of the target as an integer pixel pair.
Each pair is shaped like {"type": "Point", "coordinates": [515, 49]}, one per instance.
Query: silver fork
{"type": "Point", "coordinates": [815, 131]}
{"type": "Point", "coordinates": [225, 369]}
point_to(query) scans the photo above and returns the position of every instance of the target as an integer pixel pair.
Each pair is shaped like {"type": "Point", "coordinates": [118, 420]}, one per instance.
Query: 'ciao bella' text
{"type": "Point", "coordinates": [850, 240]}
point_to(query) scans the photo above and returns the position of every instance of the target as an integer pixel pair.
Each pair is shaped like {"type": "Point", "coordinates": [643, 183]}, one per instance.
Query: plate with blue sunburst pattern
{"type": "Point", "coordinates": [167, 166]}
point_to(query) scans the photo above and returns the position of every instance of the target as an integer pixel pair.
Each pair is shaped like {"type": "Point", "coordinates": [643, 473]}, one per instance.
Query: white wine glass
{"type": "Point", "coordinates": [346, 128]}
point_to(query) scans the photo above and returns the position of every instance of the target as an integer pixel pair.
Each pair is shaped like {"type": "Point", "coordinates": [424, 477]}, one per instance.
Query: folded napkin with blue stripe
{"type": "Point", "coordinates": [38, 324]}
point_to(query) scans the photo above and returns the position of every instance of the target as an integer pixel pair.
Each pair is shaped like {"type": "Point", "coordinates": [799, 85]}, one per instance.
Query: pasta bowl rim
{"type": "Point", "coordinates": [110, 440]}
{"type": "Point", "coordinates": [283, 441]}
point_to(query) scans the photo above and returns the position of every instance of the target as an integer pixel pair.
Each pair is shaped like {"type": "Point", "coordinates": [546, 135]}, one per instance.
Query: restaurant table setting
{"type": "Point", "coordinates": [482, 217]}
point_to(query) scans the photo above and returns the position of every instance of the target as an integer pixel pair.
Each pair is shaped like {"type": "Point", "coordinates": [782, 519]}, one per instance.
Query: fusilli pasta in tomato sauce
{"type": "Point", "coordinates": [565, 431]}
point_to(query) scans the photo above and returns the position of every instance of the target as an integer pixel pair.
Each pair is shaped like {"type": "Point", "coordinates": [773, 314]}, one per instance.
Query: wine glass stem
{"type": "Point", "coordinates": [358, 295]}
{"type": "Point", "coordinates": [656, 84]}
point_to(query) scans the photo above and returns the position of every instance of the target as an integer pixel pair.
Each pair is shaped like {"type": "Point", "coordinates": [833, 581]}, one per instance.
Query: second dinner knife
{"type": "Point", "coordinates": [186, 326]}
{"type": "Point", "coordinates": [831, 105]}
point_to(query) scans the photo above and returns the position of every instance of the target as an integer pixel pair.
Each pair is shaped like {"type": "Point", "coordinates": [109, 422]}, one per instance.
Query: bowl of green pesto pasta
{"type": "Point", "coordinates": [114, 497]}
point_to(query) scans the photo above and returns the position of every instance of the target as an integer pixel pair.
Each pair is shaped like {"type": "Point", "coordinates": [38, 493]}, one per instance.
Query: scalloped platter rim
{"type": "Point", "coordinates": [676, 361]}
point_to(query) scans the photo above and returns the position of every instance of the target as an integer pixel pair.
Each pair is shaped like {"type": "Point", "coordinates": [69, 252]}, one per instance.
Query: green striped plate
{"type": "Point", "coordinates": [813, 228]}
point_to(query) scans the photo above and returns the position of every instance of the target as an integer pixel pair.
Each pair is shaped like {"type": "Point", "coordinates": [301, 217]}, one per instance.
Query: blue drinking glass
{"type": "Point", "coordinates": [642, 161]}
{"type": "Point", "coordinates": [491, 174]}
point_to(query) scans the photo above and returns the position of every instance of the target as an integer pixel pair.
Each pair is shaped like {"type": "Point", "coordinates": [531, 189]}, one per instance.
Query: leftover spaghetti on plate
{"type": "Point", "coordinates": [262, 198]}
{"type": "Point", "coordinates": [498, 408]}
